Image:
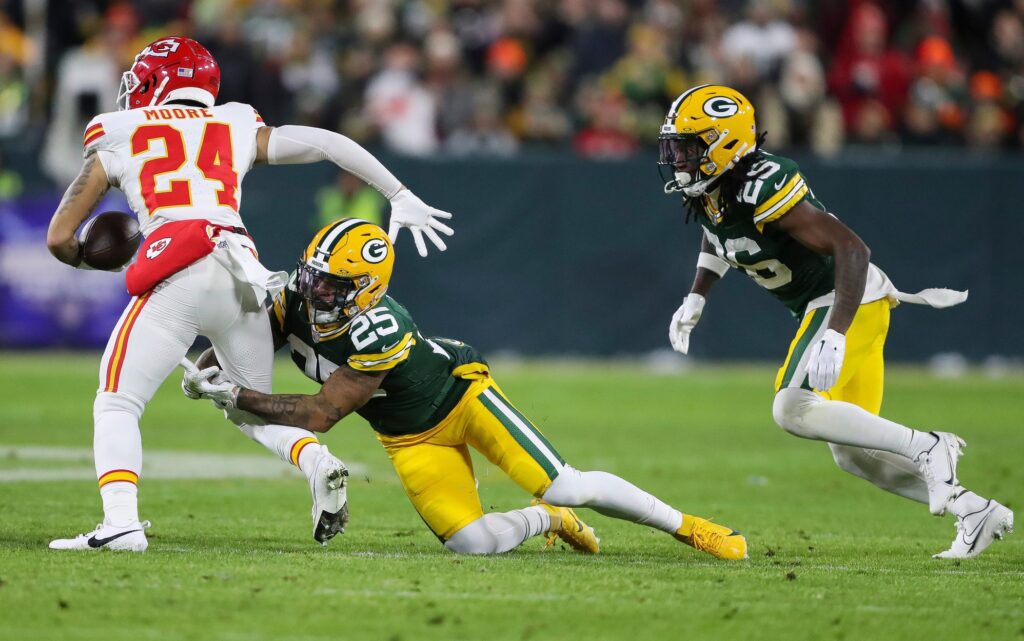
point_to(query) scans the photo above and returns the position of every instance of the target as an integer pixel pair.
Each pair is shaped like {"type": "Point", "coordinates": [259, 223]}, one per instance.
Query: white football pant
{"type": "Point", "coordinates": [154, 333]}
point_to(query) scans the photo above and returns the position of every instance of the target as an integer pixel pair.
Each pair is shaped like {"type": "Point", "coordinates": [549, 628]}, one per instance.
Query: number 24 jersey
{"type": "Point", "coordinates": [177, 162]}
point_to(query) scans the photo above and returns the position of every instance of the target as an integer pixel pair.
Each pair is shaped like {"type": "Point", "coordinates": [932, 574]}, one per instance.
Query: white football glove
{"type": "Point", "coordinates": [407, 210]}
{"type": "Point", "coordinates": [683, 322]}
{"type": "Point", "coordinates": [209, 383]}
{"type": "Point", "coordinates": [826, 360]}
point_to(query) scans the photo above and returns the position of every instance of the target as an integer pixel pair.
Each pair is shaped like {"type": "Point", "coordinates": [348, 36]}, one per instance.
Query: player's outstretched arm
{"type": "Point", "coordinates": [81, 198]}
{"type": "Point", "coordinates": [294, 144]}
{"type": "Point", "coordinates": [710, 268]}
{"type": "Point", "coordinates": [345, 391]}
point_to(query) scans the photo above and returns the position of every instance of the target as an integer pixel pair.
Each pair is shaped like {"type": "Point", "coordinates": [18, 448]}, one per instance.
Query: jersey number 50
{"type": "Point", "coordinates": [214, 160]}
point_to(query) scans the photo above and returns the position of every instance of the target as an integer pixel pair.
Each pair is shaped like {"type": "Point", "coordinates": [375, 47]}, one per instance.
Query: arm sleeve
{"type": "Point", "coordinates": [294, 144]}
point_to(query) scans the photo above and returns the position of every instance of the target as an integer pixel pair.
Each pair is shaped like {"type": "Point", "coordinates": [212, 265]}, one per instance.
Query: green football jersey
{"type": "Point", "coordinates": [419, 389]}
{"type": "Point", "coordinates": [789, 271]}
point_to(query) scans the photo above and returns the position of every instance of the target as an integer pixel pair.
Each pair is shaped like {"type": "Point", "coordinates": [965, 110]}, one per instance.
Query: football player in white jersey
{"type": "Point", "coordinates": [180, 159]}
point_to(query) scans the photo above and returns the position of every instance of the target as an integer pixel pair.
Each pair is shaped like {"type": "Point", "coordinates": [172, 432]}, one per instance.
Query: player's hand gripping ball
{"type": "Point", "coordinates": [110, 240]}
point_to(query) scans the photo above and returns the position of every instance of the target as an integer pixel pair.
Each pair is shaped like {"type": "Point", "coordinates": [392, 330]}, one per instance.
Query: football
{"type": "Point", "coordinates": [110, 240]}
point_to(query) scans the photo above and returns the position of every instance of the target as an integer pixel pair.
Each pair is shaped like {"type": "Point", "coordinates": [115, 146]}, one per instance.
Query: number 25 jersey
{"type": "Point", "coordinates": [423, 381]}
{"type": "Point", "coordinates": [177, 162]}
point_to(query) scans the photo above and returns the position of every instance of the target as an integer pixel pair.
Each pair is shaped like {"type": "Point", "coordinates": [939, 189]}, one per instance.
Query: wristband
{"type": "Point", "coordinates": [712, 263]}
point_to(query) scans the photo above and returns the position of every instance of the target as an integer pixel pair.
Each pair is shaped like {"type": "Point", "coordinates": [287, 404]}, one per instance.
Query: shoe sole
{"type": "Point", "coordinates": [113, 546]}
{"type": "Point", "coordinates": [330, 524]}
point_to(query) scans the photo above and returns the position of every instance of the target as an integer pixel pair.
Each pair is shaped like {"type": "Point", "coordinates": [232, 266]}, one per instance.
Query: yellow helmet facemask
{"type": "Point", "coordinates": [711, 127]}
{"type": "Point", "coordinates": [344, 271]}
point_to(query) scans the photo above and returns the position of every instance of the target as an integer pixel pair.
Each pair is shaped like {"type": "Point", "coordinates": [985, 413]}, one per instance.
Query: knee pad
{"type": "Point", "coordinates": [475, 538]}
{"type": "Point", "coordinates": [790, 408]}
{"type": "Point", "coordinates": [117, 402]}
{"type": "Point", "coordinates": [569, 489]}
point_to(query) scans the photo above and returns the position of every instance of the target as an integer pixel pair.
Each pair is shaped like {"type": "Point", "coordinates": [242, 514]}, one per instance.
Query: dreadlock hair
{"type": "Point", "coordinates": [729, 184]}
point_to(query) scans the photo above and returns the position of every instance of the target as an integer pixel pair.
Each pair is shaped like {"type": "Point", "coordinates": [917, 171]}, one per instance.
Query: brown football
{"type": "Point", "coordinates": [110, 240]}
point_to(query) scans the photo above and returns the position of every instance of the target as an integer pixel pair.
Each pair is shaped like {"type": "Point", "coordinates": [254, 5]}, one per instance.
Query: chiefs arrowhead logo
{"type": "Point", "coordinates": [157, 248]}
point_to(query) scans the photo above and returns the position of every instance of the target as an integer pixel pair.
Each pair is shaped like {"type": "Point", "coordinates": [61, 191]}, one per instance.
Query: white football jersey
{"type": "Point", "coordinates": [178, 163]}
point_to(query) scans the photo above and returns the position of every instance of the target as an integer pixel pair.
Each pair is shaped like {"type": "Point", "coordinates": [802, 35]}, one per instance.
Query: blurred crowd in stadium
{"type": "Point", "coordinates": [493, 77]}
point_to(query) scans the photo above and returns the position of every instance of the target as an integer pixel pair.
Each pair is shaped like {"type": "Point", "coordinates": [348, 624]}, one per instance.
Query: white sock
{"type": "Point", "coordinates": [890, 472]}
{"type": "Point", "coordinates": [305, 453]}
{"type": "Point", "coordinates": [499, 532]}
{"type": "Point", "coordinates": [967, 502]}
{"type": "Point", "coordinates": [612, 496]}
{"type": "Point", "coordinates": [120, 503]}
{"type": "Point", "coordinates": [117, 450]}
{"type": "Point", "coordinates": [807, 415]}
{"type": "Point", "coordinates": [292, 445]}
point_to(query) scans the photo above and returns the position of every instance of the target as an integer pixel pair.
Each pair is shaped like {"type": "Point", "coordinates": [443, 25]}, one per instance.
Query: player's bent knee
{"type": "Point", "coordinates": [117, 402]}
{"type": "Point", "coordinates": [790, 408]}
{"type": "Point", "coordinates": [475, 538]}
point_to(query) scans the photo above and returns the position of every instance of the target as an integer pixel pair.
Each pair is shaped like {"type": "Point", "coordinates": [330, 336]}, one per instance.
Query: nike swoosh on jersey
{"type": "Point", "coordinates": [98, 543]}
{"type": "Point", "coordinates": [782, 182]}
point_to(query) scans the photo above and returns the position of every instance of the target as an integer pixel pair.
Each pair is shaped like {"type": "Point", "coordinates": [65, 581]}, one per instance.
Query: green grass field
{"type": "Point", "coordinates": [831, 557]}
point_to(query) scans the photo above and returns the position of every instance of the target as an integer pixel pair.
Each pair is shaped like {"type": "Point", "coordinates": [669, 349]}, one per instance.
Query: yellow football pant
{"type": "Point", "coordinates": [862, 378]}
{"type": "Point", "coordinates": [436, 470]}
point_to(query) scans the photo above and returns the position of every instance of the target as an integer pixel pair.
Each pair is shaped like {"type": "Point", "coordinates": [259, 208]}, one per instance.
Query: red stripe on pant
{"type": "Point", "coordinates": [121, 344]}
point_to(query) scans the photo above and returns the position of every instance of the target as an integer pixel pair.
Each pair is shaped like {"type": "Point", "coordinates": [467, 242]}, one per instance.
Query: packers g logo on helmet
{"type": "Point", "coordinates": [344, 271]}
{"type": "Point", "coordinates": [375, 250]}
{"type": "Point", "coordinates": [720, 107]}
{"type": "Point", "coordinates": [712, 126]}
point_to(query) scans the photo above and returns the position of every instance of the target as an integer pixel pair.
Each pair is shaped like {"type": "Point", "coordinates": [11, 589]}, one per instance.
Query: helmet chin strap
{"type": "Point", "coordinates": [160, 90]}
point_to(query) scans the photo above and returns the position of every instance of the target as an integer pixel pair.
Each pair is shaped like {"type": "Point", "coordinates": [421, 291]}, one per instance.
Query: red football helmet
{"type": "Point", "coordinates": [168, 69]}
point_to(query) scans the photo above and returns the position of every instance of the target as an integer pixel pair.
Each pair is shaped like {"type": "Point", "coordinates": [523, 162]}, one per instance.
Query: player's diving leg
{"type": "Point", "coordinates": [437, 474]}
{"type": "Point", "coordinates": [239, 329]}
{"type": "Point", "coordinates": [153, 334]}
{"type": "Point", "coordinates": [807, 414]}
{"type": "Point", "coordinates": [509, 440]}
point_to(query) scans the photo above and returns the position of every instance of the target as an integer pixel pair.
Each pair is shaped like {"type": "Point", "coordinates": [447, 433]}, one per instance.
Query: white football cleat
{"type": "Point", "coordinates": [977, 530]}
{"type": "Point", "coordinates": [329, 485]}
{"type": "Point", "coordinates": [131, 538]}
{"type": "Point", "coordinates": [938, 466]}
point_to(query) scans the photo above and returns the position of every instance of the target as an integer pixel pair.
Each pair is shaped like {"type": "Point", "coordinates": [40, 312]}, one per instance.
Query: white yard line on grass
{"type": "Point", "coordinates": [75, 463]}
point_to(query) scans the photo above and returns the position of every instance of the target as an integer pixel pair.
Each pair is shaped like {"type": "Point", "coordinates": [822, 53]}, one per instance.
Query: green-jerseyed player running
{"type": "Point", "coordinates": [429, 400]}
{"type": "Point", "coordinates": [760, 216]}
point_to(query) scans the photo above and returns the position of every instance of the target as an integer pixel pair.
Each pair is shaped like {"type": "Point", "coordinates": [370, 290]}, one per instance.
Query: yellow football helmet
{"type": "Point", "coordinates": [344, 271]}
{"type": "Point", "coordinates": [709, 128]}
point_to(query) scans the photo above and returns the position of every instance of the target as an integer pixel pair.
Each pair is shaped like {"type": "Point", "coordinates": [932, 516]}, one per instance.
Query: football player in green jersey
{"type": "Point", "coordinates": [760, 216]}
{"type": "Point", "coordinates": [428, 400]}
